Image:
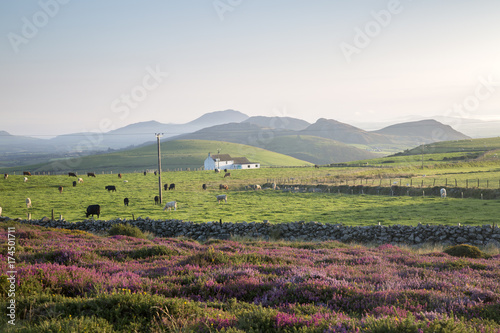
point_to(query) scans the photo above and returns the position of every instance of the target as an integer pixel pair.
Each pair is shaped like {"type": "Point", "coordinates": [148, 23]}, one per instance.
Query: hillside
{"type": "Point", "coordinates": [427, 131]}
{"type": "Point", "coordinates": [317, 150]}
{"type": "Point", "coordinates": [179, 154]}
{"type": "Point", "coordinates": [470, 145]}
{"type": "Point", "coordinates": [336, 130]}
{"type": "Point", "coordinates": [287, 123]}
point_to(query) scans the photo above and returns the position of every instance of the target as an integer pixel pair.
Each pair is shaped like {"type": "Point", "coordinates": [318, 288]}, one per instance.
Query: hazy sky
{"type": "Point", "coordinates": [71, 66]}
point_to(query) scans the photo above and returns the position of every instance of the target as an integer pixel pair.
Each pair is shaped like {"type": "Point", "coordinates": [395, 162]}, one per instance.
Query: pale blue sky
{"type": "Point", "coordinates": [87, 65]}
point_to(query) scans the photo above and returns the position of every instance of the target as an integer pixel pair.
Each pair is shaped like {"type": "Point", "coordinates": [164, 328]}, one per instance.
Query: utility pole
{"type": "Point", "coordinates": [158, 135]}
{"type": "Point", "coordinates": [423, 157]}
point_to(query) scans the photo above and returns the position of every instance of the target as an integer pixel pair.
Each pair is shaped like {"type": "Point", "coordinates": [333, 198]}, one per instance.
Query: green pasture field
{"type": "Point", "coordinates": [197, 205]}
{"type": "Point", "coordinates": [178, 154]}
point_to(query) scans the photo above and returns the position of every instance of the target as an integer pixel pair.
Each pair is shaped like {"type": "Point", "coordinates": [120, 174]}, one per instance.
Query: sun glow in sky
{"type": "Point", "coordinates": [74, 66]}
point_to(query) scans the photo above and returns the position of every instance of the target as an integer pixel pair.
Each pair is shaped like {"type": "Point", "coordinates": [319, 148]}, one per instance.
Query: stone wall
{"type": "Point", "coordinates": [304, 231]}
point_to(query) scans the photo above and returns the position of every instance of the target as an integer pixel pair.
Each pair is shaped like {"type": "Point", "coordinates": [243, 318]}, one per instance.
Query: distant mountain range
{"type": "Point", "coordinates": [325, 141]}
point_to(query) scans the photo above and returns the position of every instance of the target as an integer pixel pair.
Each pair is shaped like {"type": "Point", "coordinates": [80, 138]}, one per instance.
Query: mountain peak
{"type": "Point", "coordinates": [218, 118]}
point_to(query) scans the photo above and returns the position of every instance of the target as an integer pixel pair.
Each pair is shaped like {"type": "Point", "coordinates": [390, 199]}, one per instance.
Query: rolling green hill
{"type": "Point", "coordinates": [470, 145]}
{"type": "Point", "coordinates": [317, 150]}
{"type": "Point", "coordinates": [179, 154]}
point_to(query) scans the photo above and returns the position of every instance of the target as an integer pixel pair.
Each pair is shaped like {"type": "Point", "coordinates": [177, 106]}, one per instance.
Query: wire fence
{"type": "Point", "coordinates": [418, 182]}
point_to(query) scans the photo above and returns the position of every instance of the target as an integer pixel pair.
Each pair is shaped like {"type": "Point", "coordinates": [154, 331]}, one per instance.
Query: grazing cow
{"type": "Point", "coordinates": [25, 179]}
{"type": "Point", "coordinates": [316, 166]}
{"type": "Point", "coordinates": [228, 174]}
{"type": "Point", "coordinates": [28, 203]}
{"type": "Point", "coordinates": [74, 183]}
{"type": "Point", "coordinates": [93, 209]}
{"type": "Point", "coordinates": [110, 188]}
{"type": "Point", "coordinates": [72, 174]}
{"type": "Point", "coordinates": [26, 173]}
{"type": "Point", "coordinates": [5, 176]}
{"type": "Point", "coordinates": [217, 170]}
{"type": "Point", "coordinates": [223, 187]}
{"type": "Point", "coordinates": [171, 204]}
{"type": "Point", "coordinates": [157, 200]}
{"type": "Point", "coordinates": [80, 180]}
{"type": "Point", "coordinates": [60, 188]}
{"type": "Point", "coordinates": [90, 174]}
{"type": "Point", "coordinates": [204, 186]}
{"type": "Point", "coordinates": [221, 197]}
{"type": "Point", "coordinates": [257, 187]}
{"type": "Point", "coordinates": [443, 193]}
{"type": "Point", "coordinates": [125, 201]}
{"type": "Point", "coordinates": [172, 186]}
{"type": "Point", "coordinates": [120, 175]}
{"type": "Point", "coordinates": [165, 187]}
{"type": "Point", "coordinates": [156, 172]}
{"type": "Point", "coordinates": [144, 173]}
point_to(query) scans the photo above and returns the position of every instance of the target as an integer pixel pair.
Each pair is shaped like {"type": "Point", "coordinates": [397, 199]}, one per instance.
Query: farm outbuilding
{"type": "Point", "coordinates": [225, 161]}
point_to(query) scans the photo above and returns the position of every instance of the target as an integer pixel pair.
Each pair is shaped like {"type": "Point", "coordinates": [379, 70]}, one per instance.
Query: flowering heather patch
{"type": "Point", "coordinates": [70, 279]}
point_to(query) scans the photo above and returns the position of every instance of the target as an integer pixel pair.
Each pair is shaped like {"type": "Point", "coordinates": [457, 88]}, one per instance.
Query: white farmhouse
{"type": "Point", "coordinates": [225, 161]}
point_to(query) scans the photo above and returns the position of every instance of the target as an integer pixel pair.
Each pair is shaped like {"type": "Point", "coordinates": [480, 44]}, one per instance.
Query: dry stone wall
{"type": "Point", "coordinates": [303, 231]}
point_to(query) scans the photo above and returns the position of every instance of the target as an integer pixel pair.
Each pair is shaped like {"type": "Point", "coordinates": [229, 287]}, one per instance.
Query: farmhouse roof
{"type": "Point", "coordinates": [222, 157]}
{"type": "Point", "coordinates": [241, 160]}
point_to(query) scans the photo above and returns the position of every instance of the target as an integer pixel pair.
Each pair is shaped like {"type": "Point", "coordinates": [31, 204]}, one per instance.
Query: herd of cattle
{"type": "Point", "coordinates": [96, 209]}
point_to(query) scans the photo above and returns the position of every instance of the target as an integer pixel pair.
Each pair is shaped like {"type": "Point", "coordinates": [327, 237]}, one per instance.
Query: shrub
{"type": "Point", "coordinates": [465, 250]}
{"type": "Point", "coordinates": [156, 250]}
{"type": "Point", "coordinates": [126, 230]}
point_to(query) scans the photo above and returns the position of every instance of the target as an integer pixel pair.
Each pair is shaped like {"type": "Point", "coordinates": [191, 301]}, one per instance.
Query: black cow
{"type": "Point", "coordinates": [110, 188]}
{"type": "Point", "coordinates": [93, 209]}
{"type": "Point", "coordinates": [157, 200]}
{"type": "Point", "coordinates": [165, 187]}
{"type": "Point", "coordinates": [125, 201]}
{"type": "Point", "coordinates": [204, 186]}
{"type": "Point", "coordinates": [74, 183]}
{"type": "Point", "coordinates": [72, 174]}
{"type": "Point", "coordinates": [144, 173]}
{"type": "Point", "coordinates": [26, 173]}
{"type": "Point", "coordinates": [172, 186]}
{"type": "Point", "coordinates": [90, 174]}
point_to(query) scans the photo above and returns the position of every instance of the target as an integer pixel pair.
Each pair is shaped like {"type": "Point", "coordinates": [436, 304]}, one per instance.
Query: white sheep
{"type": "Point", "coordinates": [25, 179]}
{"type": "Point", "coordinates": [443, 193]}
{"type": "Point", "coordinates": [221, 197]}
{"type": "Point", "coordinates": [80, 180]}
{"type": "Point", "coordinates": [170, 204]}
{"type": "Point", "coordinates": [28, 202]}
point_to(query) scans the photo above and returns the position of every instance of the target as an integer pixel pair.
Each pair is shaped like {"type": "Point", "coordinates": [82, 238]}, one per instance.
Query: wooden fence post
{"type": "Point", "coordinates": [456, 184]}
{"type": "Point", "coordinates": [478, 183]}
{"type": "Point", "coordinates": [52, 214]}
{"type": "Point", "coordinates": [466, 183]}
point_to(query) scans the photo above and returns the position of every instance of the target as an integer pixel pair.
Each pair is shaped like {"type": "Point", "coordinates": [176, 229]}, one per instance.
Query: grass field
{"type": "Point", "coordinates": [176, 155]}
{"type": "Point", "coordinates": [197, 205]}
